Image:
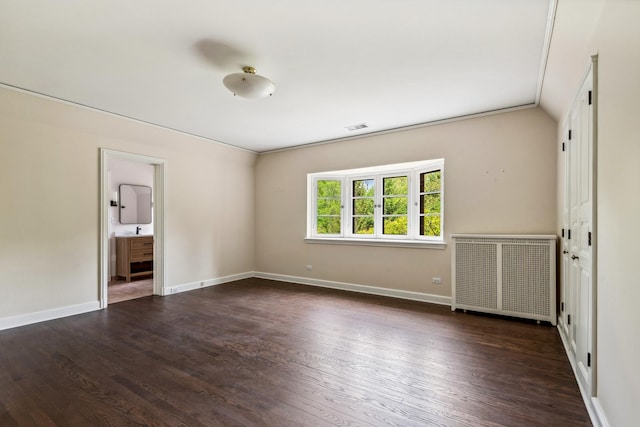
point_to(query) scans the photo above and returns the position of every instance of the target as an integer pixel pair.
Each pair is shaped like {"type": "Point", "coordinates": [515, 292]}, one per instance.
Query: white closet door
{"type": "Point", "coordinates": [582, 248]}
{"type": "Point", "coordinates": [565, 259]}
{"type": "Point", "coordinates": [577, 255]}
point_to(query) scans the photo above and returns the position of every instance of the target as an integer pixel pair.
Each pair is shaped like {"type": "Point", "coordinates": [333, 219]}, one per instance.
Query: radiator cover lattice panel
{"type": "Point", "coordinates": [525, 279]}
{"type": "Point", "coordinates": [510, 275]}
{"type": "Point", "coordinates": [477, 275]}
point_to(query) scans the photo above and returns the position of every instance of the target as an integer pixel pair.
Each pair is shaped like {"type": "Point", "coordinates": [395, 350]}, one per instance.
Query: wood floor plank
{"type": "Point", "coordinates": [263, 353]}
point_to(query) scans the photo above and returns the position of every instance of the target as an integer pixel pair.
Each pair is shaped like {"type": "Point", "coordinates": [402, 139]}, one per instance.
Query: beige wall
{"type": "Point", "coordinates": [616, 39]}
{"type": "Point", "coordinates": [49, 175]}
{"type": "Point", "coordinates": [618, 321]}
{"type": "Point", "coordinates": [500, 177]}
{"type": "Point", "coordinates": [614, 34]}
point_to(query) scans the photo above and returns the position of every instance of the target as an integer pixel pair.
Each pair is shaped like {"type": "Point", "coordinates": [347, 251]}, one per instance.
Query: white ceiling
{"type": "Point", "coordinates": [335, 63]}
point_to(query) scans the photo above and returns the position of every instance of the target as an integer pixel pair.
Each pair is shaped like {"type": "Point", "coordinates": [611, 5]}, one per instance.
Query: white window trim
{"type": "Point", "coordinates": [346, 237]}
{"type": "Point", "coordinates": [394, 243]}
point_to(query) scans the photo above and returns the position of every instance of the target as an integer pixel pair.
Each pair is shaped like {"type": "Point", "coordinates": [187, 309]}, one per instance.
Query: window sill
{"type": "Point", "coordinates": [422, 244]}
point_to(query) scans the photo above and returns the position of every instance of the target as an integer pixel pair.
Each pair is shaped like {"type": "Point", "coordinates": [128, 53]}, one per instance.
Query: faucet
{"type": "Point", "coordinates": [138, 228]}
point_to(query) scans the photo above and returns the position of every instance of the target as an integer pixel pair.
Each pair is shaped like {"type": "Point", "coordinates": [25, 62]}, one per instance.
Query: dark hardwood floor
{"type": "Point", "coordinates": [264, 353]}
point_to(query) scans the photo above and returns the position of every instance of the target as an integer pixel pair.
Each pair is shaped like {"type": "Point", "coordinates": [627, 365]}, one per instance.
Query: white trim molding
{"type": "Point", "coordinates": [592, 404]}
{"type": "Point", "coordinates": [414, 244]}
{"type": "Point", "coordinates": [601, 417]}
{"type": "Point", "coordinates": [159, 219]}
{"type": "Point", "coordinates": [365, 289]}
{"type": "Point", "coordinates": [57, 313]}
{"type": "Point", "coordinates": [185, 287]}
{"type": "Point", "coordinates": [52, 314]}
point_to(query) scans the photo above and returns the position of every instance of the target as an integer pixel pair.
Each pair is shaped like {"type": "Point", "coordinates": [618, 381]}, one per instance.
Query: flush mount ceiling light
{"type": "Point", "coordinates": [249, 84]}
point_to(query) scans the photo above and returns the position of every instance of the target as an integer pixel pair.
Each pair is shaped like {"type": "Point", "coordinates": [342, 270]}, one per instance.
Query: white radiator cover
{"type": "Point", "coordinates": [512, 275]}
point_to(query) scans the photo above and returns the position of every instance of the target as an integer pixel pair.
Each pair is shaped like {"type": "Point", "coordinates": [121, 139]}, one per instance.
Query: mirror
{"type": "Point", "coordinates": [135, 204]}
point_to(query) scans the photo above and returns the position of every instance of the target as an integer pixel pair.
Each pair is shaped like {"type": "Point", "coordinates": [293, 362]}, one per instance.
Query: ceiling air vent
{"type": "Point", "coordinates": [357, 127]}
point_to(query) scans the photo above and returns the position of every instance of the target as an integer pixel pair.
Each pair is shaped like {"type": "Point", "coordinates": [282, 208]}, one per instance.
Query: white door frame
{"type": "Point", "coordinates": [159, 268]}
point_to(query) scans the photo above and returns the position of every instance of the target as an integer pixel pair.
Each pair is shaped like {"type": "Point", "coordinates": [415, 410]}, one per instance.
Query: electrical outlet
{"type": "Point", "coordinates": [436, 280]}
{"type": "Point", "coordinates": [309, 267]}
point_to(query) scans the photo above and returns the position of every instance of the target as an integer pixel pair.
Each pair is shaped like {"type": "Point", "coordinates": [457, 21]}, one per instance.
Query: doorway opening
{"type": "Point", "coordinates": [132, 226]}
{"type": "Point", "coordinates": [119, 289]}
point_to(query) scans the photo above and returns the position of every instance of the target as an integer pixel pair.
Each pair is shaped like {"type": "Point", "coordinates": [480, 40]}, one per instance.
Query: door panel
{"type": "Point", "coordinates": [573, 234]}
{"type": "Point", "coordinates": [583, 327]}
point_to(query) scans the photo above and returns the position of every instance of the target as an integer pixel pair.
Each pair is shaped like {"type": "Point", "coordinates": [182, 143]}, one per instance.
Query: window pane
{"type": "Point", "coordinates": [328, 225]}
{"type": "Point", "coordinates": [363, 225]}
{"type": "Point", "coordinates": [430, 181]}
{"type": "Point", "coordinates": [329, 188]}
{"type": "Point", "coordinates": [363, 188]}
{"type": "Point", "coordinates": [329, 207]}
{"type": "Point", "coordinates": [430, 225]}
{"type": "Point", "coordinates": [430, 203]}
{"type": "Point", "coordinates": [363, 207]}
{"type": "Point", "coordinates": [396, 225]}
{"type": "Point", "coordinates": [396, 186]}
{"type": "Point", "coordinates": [395, 205]}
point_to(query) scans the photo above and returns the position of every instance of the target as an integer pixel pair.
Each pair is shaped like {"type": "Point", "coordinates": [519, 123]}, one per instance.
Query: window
{"type": "Point", "coordinates": [363, 206]}
{"type": "Point", "coordinates": [430, 216]}
{"type": "Point", "coordinates": [386, 204]}
{"type": "Point", "coordinates": [329, 206]}
{"type": "Point", "coordinates": [395, 205]}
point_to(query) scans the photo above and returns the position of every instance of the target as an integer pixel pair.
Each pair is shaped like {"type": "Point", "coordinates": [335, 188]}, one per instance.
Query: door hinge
{"type": "Point", "coordinates": [563, 232]}
{"type": "Point", "coordinates": [589, 235]}
{"type": "Point", "coordinates": [568, 319]}
{"type": "Point", "coordinates": [569, 134]}
{"type": "Point", "coordinates": [569, 234]}
{"type": "Point", "coordinates": [561, 306]}
{"type": "Point", "coordinates": [589, 97]}
{"type": "Point", "coordinates": [588, 359]}
{"type": "Point", "coordinates": [563, 148]}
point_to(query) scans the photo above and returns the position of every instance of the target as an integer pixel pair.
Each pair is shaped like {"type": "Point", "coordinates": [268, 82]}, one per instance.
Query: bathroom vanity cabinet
{"type": "Point", "coordinates": [134, 256]}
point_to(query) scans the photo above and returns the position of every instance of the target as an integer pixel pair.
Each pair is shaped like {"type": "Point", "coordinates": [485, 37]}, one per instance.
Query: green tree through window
{"type": "Point", "coordinates": [363, 206]}
{"type": "Point", "coordinates": [430, 197]}
{"type": "Point", "coordinates": [395, 205]}
{"type": "Point", "coordinates": [329, 206]}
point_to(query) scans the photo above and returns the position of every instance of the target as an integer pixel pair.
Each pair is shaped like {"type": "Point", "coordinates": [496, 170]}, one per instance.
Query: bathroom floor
{"type": "Point", "coordinates": [119, 290]}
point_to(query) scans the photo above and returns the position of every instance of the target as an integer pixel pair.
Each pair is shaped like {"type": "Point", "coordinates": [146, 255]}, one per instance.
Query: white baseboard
{"type": "Point", "coordinates": [599, 413]}
{"type": "Point", "coordinates": [598, 419]}
{"type": "Point", "coordinates": [54, 313]}
{"type": "Point", "coordinates": [373, 290]}
{"type": "Point", "coordinates": [206, 283]}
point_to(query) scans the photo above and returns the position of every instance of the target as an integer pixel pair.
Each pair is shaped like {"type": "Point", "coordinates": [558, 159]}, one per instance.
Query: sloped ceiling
{"type": "Point", "coordinates": [569, 53]}
{"type": "Point", "coordinates": [388, 64]}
